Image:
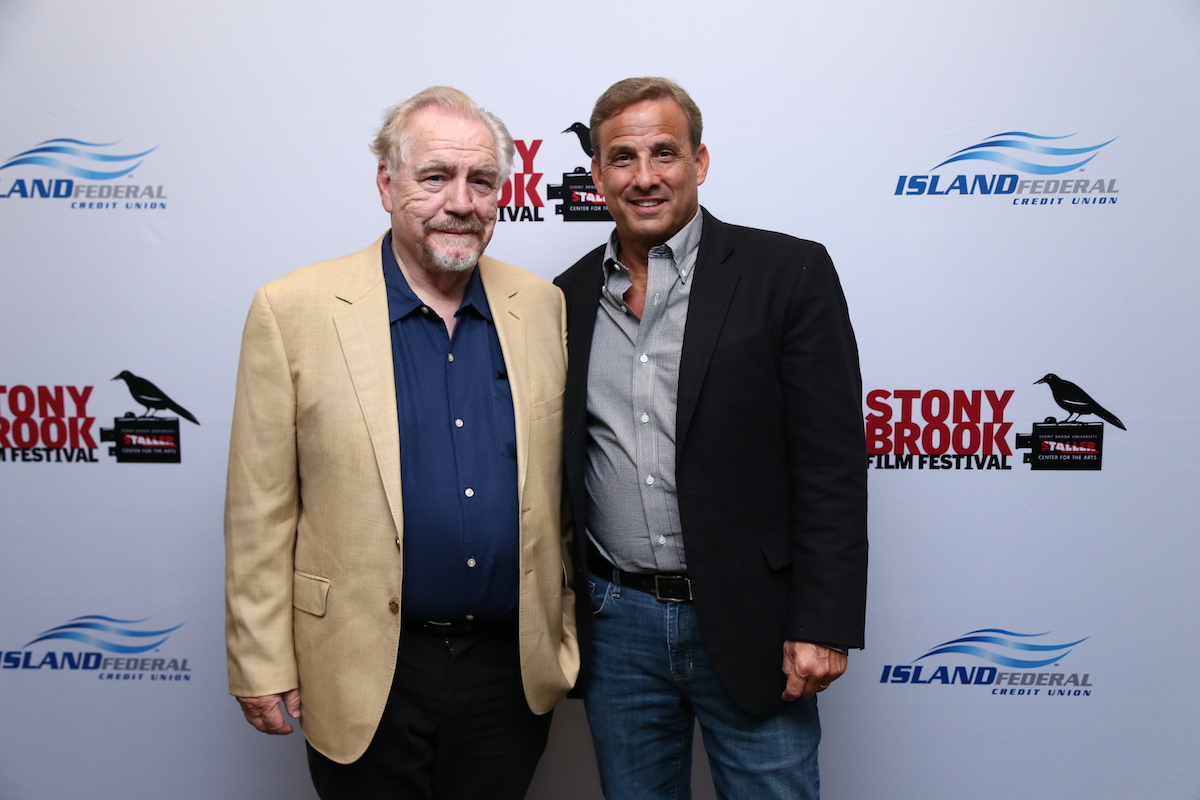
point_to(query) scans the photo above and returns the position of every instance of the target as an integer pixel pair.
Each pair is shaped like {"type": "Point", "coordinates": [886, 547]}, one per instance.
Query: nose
{"type": "Point", "coordinates": [458, 198]}
{"type": "Point", "coordinates": [645, 176]}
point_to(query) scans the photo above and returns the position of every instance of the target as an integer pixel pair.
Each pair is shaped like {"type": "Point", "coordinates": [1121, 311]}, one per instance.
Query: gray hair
{"type": "Point", "coordinates": [393, 141]}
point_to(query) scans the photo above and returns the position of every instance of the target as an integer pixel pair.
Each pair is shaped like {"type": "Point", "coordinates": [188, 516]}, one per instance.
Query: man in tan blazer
{"type": "Point", "coordinates": [422, 660]}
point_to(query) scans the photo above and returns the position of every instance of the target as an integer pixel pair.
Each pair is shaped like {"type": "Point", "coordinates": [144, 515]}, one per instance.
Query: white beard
{"type": "Point", "coordinates": [451, 261]}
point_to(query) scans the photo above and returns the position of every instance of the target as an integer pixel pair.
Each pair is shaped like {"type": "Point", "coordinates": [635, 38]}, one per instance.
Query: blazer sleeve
{"type": "Point", "coordinates": [262, 511]}
{"type": "Point", "coordinates": [822, 389]}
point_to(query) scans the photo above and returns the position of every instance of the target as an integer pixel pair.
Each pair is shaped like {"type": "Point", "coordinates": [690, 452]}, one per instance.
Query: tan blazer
{"type": "Point", "coordinates": [313, 512]}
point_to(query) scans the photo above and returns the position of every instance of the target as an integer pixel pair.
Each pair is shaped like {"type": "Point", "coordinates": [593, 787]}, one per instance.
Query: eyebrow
{"type": "Point", "coordinates": [661, 144]}
{"type": "Point", "coordinates": [490, 170]}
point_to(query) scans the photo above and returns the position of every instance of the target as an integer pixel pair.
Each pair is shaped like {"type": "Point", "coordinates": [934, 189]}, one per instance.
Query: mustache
{"type": "Point", "coordinates": [465, 225]}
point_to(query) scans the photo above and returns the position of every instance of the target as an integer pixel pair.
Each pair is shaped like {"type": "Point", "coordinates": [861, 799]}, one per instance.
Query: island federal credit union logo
{"type": "Point", "coordinates": [94, 173]}
{"type": "Point", "coordinates": [1052, 170]}
{"type": "Point", "coordinates": [115, 649]}
{"type": "Point", "coordinates": [1020, 665]}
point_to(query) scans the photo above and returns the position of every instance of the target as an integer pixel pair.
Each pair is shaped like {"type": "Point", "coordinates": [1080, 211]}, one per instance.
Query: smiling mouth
{"type": "Point", "coordinates": [647, 203]}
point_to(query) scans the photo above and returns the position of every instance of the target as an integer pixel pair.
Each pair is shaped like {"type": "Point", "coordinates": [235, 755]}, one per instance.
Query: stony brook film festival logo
{"type": "Point", "coordinates": [1026, 665]}
{"type": "Point", "coordinates": [53, 424]}
{"type": "Point", "coordinates": [109, 648]}
{"type": "Point", "coordinates": [99, 176]}
{"type": "Point", "coordinates": [968, 429]}
{"type": "Point", "coordinates": [520, 197]}
{"type": "Point", "coordinates": [1053, 172]}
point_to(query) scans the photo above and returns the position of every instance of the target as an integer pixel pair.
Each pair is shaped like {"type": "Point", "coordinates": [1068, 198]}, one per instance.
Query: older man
{"type": "Point", "coordinates": [395, 563]}
{"type": "Point", "coordinates": [715, 452]}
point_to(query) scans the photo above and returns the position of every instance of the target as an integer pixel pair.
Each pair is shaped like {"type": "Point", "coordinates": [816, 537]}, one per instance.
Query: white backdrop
{"type": "Point", "coordinates": [257, 116]}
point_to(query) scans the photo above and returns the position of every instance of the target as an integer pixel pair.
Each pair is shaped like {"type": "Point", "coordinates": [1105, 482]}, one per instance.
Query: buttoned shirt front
{"type": "Point", "coordinates": [458, 458]}
{"type": "Point", "coordinates": [633, 387]}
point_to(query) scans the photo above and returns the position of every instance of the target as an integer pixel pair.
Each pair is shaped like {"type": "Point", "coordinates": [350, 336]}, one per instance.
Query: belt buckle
{"type": "Point", "coordinates": [658, 595]}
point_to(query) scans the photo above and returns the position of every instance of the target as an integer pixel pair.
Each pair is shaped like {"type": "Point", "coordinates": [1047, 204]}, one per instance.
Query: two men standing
{"type": "Point", "coordinates": [713, 448]}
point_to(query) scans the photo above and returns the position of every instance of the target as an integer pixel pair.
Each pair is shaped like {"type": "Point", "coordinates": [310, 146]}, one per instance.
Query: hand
{"type": "Point", "coordinates": [264, 712]}
{"type": "Point", "coordinates": [810, 668]}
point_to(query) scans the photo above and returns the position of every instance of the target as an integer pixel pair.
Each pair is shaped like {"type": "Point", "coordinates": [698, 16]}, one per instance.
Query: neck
{"type": "Point", "coordinates": [635, 257]}
{"type": "Point", "coordinates": [435, 287]}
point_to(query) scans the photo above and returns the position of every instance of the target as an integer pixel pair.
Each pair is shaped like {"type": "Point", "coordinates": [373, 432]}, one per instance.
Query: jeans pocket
{"type": "Point", "coordinates": [601, 597]}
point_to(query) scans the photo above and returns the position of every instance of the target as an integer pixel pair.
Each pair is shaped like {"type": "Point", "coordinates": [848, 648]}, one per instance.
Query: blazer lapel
{"type": "Point", "coordinates": [583, 303]}
{"type": "Point", "coordinates": [505, 303]}
{"type": "Point", "coordinates": [365, 336]}
{"type": "Point", "coordinates": [716, 276]}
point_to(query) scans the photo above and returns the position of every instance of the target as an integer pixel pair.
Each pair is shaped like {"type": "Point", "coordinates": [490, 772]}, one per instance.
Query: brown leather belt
{"type": "Point", "coordinates": [666, 588]}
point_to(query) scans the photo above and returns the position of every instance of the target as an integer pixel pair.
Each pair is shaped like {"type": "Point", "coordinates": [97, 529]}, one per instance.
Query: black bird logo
{"type": "Point", "coordinates": [151, 396]}
{"type": "Point", "coordinates": [585, 137]}
{"type": "Point", "coordinates": [1076, 401]}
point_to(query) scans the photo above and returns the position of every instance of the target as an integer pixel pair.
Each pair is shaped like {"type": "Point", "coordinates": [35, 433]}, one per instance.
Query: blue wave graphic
{"type": "Point", "coordinates": [997, 149]}
{"type": "Point", "coordinates": [74, 629]}
{"type": "Point", "coordinates": [39, 156]}
{"type": "Point", "coordinates": [969, 645]}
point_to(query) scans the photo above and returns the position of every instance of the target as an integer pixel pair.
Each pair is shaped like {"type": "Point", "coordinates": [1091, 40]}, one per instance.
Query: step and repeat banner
{"type": "Point", "coordinates": [1009, 193]}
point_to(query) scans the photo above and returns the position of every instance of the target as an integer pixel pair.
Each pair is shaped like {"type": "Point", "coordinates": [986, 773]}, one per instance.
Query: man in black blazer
{"type": "Point", "coordinates": [715, 458]}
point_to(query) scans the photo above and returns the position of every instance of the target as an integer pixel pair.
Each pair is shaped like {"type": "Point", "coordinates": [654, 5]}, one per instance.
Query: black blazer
{"type": "Point", "coordinates": [770, 452]}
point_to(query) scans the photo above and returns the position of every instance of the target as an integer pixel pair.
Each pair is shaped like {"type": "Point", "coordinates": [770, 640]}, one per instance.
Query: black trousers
{"type": "Point", "coordinates": [456, 726]}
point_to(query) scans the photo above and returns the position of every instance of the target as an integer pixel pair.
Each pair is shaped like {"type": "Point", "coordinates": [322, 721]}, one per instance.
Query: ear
{"type": "Point", "coordinates": [701, 159]}
{"type": "Point", "coordinates": [384, 182]}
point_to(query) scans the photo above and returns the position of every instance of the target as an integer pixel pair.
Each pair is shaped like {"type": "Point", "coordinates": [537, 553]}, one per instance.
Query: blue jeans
{"type": "Point", "coordinates": [651, 677]}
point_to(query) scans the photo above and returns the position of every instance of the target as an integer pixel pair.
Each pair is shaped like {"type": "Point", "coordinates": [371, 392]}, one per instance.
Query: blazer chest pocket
{"type": "Point", "coordinates": [751, 347]}
{"type": "Point", "coordinates": [309, 593]}
{"type": "Point", "coordinates": [546, 408]}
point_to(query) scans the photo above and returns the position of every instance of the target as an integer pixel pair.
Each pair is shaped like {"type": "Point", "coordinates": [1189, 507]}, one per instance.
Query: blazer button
{"type": "Point", "coordinates": [394, 606]}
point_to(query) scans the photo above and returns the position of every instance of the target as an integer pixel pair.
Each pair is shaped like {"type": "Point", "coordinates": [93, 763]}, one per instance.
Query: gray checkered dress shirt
{"type": "Point", "coordinates": [633, 385]}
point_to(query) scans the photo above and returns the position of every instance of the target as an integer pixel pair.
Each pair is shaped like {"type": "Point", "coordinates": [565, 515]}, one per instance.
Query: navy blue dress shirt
{"type": "Point", "coordinates": [458, 457]}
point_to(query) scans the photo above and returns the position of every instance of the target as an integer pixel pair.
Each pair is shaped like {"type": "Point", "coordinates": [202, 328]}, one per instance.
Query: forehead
{"type": "Point", "coordinates": [436, 132]}
{"type": "Point", "coordinates": [649, 120]}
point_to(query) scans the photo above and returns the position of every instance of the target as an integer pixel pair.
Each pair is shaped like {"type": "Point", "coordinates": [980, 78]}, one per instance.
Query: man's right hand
{"type": "Point", "coordinates": [264, 712]}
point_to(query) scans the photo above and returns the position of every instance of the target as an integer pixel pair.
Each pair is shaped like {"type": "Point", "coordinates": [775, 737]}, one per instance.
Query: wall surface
{"type": "Point", "coordinates": [1033, 581]}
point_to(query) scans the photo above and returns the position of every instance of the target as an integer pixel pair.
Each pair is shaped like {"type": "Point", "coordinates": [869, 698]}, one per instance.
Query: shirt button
{"type": "Point", "coordinates": [424, 309]}
{"type": "Point", "coordinates": [458, 423]}
{"type": "Point", "coordinates": [450, 357]}
{"type": "Point", "coordinates": [394, 606]}
{"type": "Point", "coordinates": [649, 480]}
{"type": "Point", "coordinates": [470, 617]}
{"type": "Point", "coordinates": [662, 540]}
{"type": "Point", "coordinates": [469, 492]}
{"type": "Point", "coordinates": [644, 358]}
{"type": "Point", "coordinates": [645, 417]}
{"type": "Point", "coordinates": [471, 562]}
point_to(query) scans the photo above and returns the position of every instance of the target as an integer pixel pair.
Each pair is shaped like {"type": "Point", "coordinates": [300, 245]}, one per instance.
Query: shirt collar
{"type": "Point", "coordinates": [402, 300]}
{"type": "Point", "coordinates": [681, 248]}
